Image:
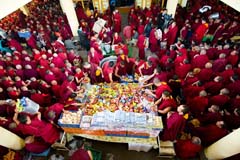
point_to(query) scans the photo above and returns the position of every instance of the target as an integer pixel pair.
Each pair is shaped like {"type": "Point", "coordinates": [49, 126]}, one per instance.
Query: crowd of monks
{"type": "Point", "coordinates": [193, 69]}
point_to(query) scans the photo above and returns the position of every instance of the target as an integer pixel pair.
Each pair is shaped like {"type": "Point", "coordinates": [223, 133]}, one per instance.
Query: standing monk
{"type": "Point", "coordinates": [117, 20]}
{"type": "Point", "coordinates": [141, 46]}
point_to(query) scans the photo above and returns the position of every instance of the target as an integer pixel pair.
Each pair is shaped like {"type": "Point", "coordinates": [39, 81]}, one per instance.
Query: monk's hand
{"type": "Point", "coordinates": [169, 114]}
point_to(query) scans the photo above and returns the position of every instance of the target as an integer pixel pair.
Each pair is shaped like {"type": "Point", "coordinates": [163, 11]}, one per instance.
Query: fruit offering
{"type": "Point", "coordinates": [116, 96]}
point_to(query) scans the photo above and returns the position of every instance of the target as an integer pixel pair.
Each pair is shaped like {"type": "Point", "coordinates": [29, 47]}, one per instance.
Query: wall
{"type": "Point", "coordinates": [9, 6]}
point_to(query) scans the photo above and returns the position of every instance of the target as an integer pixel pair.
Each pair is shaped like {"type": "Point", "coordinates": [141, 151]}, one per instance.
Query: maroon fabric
{"type": "Point", "coordinates": [185, 149]}
{"type": "Point", "coordinates": [175, 124]}
{"type": "Point", "coordinates": [198, 105]}
{"type": "Point", "coordinates": [48, 132]}
{"type": "Point", "coordinates": [209, 134]}
{"type": "Point", "coordinates": [80, 154]}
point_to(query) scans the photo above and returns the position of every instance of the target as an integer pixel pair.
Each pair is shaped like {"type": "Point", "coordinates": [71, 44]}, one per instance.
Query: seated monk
{"type": "Point", "coordinates": [189, 148]}
{"type": "Point", "coordinates": [210, 133]}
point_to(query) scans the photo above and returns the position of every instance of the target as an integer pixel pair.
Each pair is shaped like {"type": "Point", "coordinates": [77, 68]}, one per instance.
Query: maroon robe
{"type": "Point", "coordinates": [80, 154]}
{"type": "Point", "coordinates": [182, 70]}
{"type": "Point", "coordinates": [15, 44]}
{"type": "Point", "coordinates": [213, 87]}
{"type": "Point", "coordinates": [141, 46]}
{"type": "Point", "coordinates": [232, 121]}
{"type": "Point", "coordinates": [169, 102]}
{"type": "Point", "coordinates": [160, 89]}
{"type": "Point", "coordinates": [185, 149]}
{"type": "Point", "coordinates": [198, 104]}
{"type": "Point", "coordinates": [117, 20]}
{"type": "Point", "coordinates": [219, 100]}
{"type": "Point", "coordinates": [37, 146]}
{"type": "Point", "coordinates": [38, 128]}
{"type": "Point", "coordinates": [209, 118]}
{"type": "Point", "coordinates": [209, 134]}
{"type": "Point", "coordinates": [172, 34]}
{"type": "Point", "coordinates": [175, 124]}
{"type": "Point", "coordinates": [56, 108]}
{"type": "Point", "coordinates": [153, 42]}
{"type": "Point", "coordinates": [205, 74]}
{"type": "Point", "coordinates": [199, 61]}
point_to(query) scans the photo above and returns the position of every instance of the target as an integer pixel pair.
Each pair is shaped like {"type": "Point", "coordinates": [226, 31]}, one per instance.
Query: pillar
{"type": "Point", "coordinates": [25, 10]}
{"type": "Point", "coordinates": [183, 3]}
{"type": "Point", "coordinates": [68, 8]}
{"type": "Point", "coordinates": [225, 147]}
{"type": "Point", "coordinates": [171, 7]}
{"type": "Point", "coordinates": [10, 140]}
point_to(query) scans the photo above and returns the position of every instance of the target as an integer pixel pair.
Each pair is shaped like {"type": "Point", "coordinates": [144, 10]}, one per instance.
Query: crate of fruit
{"type": "Point", "coordinates": [70, 119]}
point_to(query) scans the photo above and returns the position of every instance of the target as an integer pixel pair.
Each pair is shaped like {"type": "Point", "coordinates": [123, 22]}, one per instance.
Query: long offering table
{"type": "Point", "coordinates": [116, 112]}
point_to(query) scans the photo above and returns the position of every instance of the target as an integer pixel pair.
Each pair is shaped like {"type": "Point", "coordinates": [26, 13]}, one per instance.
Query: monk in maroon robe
{"type": "Point", "coordinates": [94, 57]}
{"type": "Point", "coordinates": [172, 33]}
{"type": "Point", "coordinates": [211, 116]}
{"type": "Point", "coordinates": [232, 119]}
{"type": "Point", "coordinates": [108, 69]}
{"type": "Point", "coordinates": [53, 112]}
{"type": "Point", "coordinates": [153, 41]}
{"type": "Point", "coordinates": [36, 145]}
{"type": "Point", "coordinates": [67, 88]}
{"type": "Point", "coordinates": [199, 103]}
{"type": "Point", "coordinates": [166, 103]}
{"type": "Point", "coordinates": [214, 87]}
{"type": "Point", "coordinates": [210, 133]}
{"type": "Point", "coordinates": [221, 99]}
{"type": "Point", "coordinates": [36, 127]}
{"type": "Point", "coordinates": [117, 21]}
{"type": "Point", "coordinates": [141, 46]}
{"type": "Point", "coordinates": [199, 61]}
{"type": "Point", "coordinates": [200, 31]}
{"type": "Point", "coordinates": [189, 148]}
{"type": "Point", "coordinates": [175, 124]}
{"type": "Point", "coordinates": [15, 44]}
{"type": "Point", "coordinates": [120, 70]}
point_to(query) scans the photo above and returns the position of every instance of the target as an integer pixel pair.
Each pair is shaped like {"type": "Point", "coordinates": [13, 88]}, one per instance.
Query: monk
{"type": "Point", "coordinates": [53, 112]}
{"type": "Point", "coordinates": [211, 116]}
{"type": "Point", "coordinates": [67, 88]}
{"type": "Point", "coordinates": [81, 153]}
{"type": "Point", "coordinates": [94, 56]}
{"type": "Point", "coordinates": [189, 148]}
{"type": "Point", "coordinates": [141, 46]}
{"type": "Point", "coordinates": [221, 99]}
{"type": "Point", "coordinates": [172, 33]}
{"type": "Point", "coordinates": [120, 70]}
{"type": "Point", "coordinates": [206, 73]}
{"type": "Point", "coordinates": [166, 103]}
{"type": "Point", "coordinates": [175, 123]}
{"type": "Point", "coordinates": [117, 21]}
{"type": "Point", "coordinates": [213, 87]}
{"type": "Point", "coordinates": [199, 103]}
{"type": "Point", "coordinates": [36, 127]}
{"type": "Point", "coordinates": [210, 133]}
{"type": "Point", "coordinates": [153, 41]}
{"type": "Point", "coordinates": [108, 69]}
{"type": "Point", "coordinates": [232, 119]}
{"type": "Point", "coordinates": [200, 31]}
